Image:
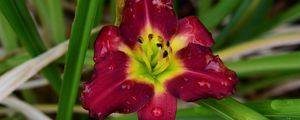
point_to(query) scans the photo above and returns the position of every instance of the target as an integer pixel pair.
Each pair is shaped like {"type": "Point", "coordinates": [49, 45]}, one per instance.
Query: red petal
{"type": "Point", "coordinates": [137, 14]}
{"type": "Point", "coordinates": [108, 40]}
{"type": "Point", "coordinates": [205, 76]}
{"type": "Point", "coordinates": [110, 91]}
{"type": "Point", "coordinates": [194, 31]}
{"type": "Point", "coordinates": [162, 107]}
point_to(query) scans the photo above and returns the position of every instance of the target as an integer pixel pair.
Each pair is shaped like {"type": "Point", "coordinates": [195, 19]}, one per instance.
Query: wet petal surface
{"type": "Point", "coordinates": [205, 75]}
{"type": "Point", "coordinates": [110, 90]}
{"type": "Point", "coordinates": [108, 40]}
{"type": "Point", "coordinates": [191, 30]}
{"type": "Point", "coordinates": [139, 14]}
{"type": "Point", "coordinates": [161, 107]}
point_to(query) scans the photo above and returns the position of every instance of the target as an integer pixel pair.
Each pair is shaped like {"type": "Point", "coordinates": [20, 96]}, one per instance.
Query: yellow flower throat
{"type": "Point", "coordinates": [154, 52]}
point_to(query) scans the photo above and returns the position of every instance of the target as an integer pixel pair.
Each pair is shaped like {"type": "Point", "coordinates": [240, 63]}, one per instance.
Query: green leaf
{"type": "Point", "coordinates": [291, 14]}
{"type": "Point", "coordinates": [20, 20]}
{"type": "Point", "coordinates": [281, 62]}
{"type": "Point", "coordinates": [8, 37]}
{"type": "Point", "coordinates": [97, 22]}
{"type": "Point", "coordinates": [112, 11]}
{"type": "Point", "coordinates": [51, 15]}
{"type": "Point", "coordinates": [80, 36]}
{"type": "Point", "coordinates": [216, 14]}
{"type": "Point", "coordinates": [249, 30]}
{"type": "Point", "coordinates": [239, 19]}
{"type": "Point", "coordinates": [13, 61]}
{"type": "Point", "coordinates": [277, 108]}
{"type": "Point", "coordinates": [203, 7]}
{"type": "Point", "coordinates": [275, 79]}
{"type": "Point", "coordinates": [287, 109]}
{"type": "Point", "coordinates": [231, 109]}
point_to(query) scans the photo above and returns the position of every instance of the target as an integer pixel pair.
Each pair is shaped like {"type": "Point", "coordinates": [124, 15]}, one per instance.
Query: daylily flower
{"type": "Point", "coordinates": [151, 60]}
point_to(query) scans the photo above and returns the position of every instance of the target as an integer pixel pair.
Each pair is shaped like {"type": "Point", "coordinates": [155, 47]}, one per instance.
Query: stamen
{"type": "Point", "coordinates": [159, 45]}
{"type": "Point", "coordinates": [150, 36]}
{"type": "Point", "coordinates": [165, 54]}
{"type": "Point", "coordinates": [140, 40]}
{"type": "Point", "coordinates": [168, 43]}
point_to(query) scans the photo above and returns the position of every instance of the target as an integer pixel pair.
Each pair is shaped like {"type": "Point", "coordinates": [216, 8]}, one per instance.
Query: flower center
{"type": "Point", "coordinates": [154, 52]}
{"type": "Point", "coordinates": [152, 61]}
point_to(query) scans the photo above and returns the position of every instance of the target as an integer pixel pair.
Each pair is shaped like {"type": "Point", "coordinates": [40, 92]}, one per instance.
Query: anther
{"type": "Point", "coordinates": [168, 43]}
{"type": "Point", "coordinates": [150, 36]}
{"type": "Point", "coordinates": [140, 40]}
{"type": "Point", "coordinates": [159, 45]}
{"type": "Point", "coordinates": [165, 54]}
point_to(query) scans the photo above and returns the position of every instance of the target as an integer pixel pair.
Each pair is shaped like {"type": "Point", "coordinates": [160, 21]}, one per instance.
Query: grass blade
{"type": "Point", "coordinates": [227, 108]}
{"type": "Point", "coordinates": [112, 11]}
{"type": "Point", "coordinates": [289, 15]}
{"type": "Point", "coordinates": [289, 61]}
{"type": "Point", "coordinates": [216, 14]}
{"type": "Point", "coordinates": [51, 15]}
{"type": "Point", "coordinates": [276, 79]}
{"type": "Point", "coordinates": [239, 19]}
{"type": "Point", "coordinates": [262, 43]}
{"type": "Point", "coordinates": [80, 36]}
{"type": "Point", "coordinates": [7, 35]}
{"type": "Point", "coordinates": [248, 31]}
{"type": "Point", "coordinates": [203, 7]}
{"type": "Point", "coordinates": [287, 107]}
{"type": "Point", "coordinates": [97, 21]}
{"type": "Point", "coordinates": [17, 76]}
{"type": "Point", "coordinates": [231, 109]}
{"type": "Point", "coordinates": [13, 61]}
{"type": "Point", "coordinates": [20, 20]}
{"type": "Point", "coordinates": [29, 111]}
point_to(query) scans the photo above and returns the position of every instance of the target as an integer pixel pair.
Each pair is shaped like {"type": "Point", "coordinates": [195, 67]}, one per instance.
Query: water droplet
{"type": "Point", "coordinates": [99, 114]}
{"type": "Point", "coordinates": [230, 78]}
{"type": "Point", "coordinates": [157, 112]}
{"type": "Point", "coordinates": [185, 79]}
{"type": "Point", "coordinates": [224, 83]}
{"type": "Point", "coordinates": [127, 85]}
{"type": "Point", "coordinates": [204, 84]}
{"type": "Point", "coordinates": [181, 87]}
{"type": "Point", "coordinates": [127, 102]}
{"type": "Point", "coordinates": [219, 96]}
{"type": "Point", "coordinates": [87, 89]}
{"type": "Point", "coordinates": [111, 67]}
{"type": "Point", "coordinates": [126, 110]}
{"type": "Point", "coordinates": [213, 65]}
{"type": "Point", "coordinates": [134, 98]}
{"type": "Point", "coordinates": [95, 58]}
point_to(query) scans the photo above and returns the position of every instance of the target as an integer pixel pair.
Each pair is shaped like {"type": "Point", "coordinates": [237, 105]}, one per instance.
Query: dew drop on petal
{"type": "Point", "coordinates": [185, 79]}
{"type": "Point", "coordinates": [111, 67]}
{"type": "Point", "coordinates": [204, 84]}
{"type": "Point", "coordinates": [127, 85]}
{"type": "Point", "coordinates": [126, 110]}
{"type": "Point", "coordinates": [134, 98]}
{"type": "Point", "coordinates": [99, 114]}
{"type": "Point", "coordinates": [157, 112]}
{"type": "Point", "coordinates": [127, 102]}
{"type": "Point", "coordinates": [224, 83]}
